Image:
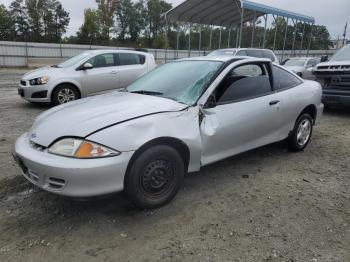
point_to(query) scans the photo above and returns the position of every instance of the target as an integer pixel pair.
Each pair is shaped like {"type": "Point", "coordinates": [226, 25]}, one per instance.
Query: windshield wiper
{"type": "Point", "coordinates": [146, 92]}
{"type": "Point", "coordinates": [55, 66]}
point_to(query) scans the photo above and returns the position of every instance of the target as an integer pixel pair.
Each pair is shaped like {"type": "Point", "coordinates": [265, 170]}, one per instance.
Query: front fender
{"type": "Point", "coordinates": [131, 135]}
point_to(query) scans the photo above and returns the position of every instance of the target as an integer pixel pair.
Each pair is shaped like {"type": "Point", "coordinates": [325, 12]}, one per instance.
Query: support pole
{"type": "Point", "coordinates": [274, 39]}
{"type": "Point", "coordinates": [189, 42]}
{"type": "Point", "coordinates": [237, 36]}
{"type": "Point", "coordinates": [177, 43]}
{"type": "Point", "coordinates": [211, 38]}
{"type": "Point", "coordinates": [309, 45]}
{"type": "Point", "coordinates": [284, 40]}
{"type": "Point", "coordinates": [241, 27]}
{"type": "Point", "coordinates": [220, 39]}
{"type": "Point", "coordinates": [302, 40]}
{"type": "Point", "coordinates": [229, 37]}
{"type": "Point", "coordinates": [253, 30]}
{"type": "Point", "coordinates": [264, 39]}
{"type": "Point", "coordinates": [295, 34]}
{"type": "Point", "coordinates": [200, 39]}
{"type": "Point", "coordinates": [166, 39]}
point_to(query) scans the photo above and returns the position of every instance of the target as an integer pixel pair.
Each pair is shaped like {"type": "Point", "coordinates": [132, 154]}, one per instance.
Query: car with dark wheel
{"type": "Point", "coordinates": [176, 119]}
{"type": "Point", "coordinates": [89, 73]}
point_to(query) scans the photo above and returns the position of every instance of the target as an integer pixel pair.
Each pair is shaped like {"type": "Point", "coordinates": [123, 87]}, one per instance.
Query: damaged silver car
{"type": "Point", "coordinates": [183, 115]}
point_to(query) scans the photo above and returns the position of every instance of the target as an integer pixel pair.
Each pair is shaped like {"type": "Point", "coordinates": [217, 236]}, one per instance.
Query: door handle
{"type": "Point", "coordinates": [274, 102]}
{"type": "Point", "coordinates": [114, 72]}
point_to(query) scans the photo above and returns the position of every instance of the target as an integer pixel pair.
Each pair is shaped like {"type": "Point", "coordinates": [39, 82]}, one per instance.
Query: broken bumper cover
{"type": "Point", "coordinates": [70, 176]}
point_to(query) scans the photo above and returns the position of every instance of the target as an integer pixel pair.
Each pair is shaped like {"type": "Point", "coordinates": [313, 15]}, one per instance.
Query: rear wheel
{"type": "Point", "coordinates": [64, 94]}
{"type": "Point", "coordinates": [155, 177]}
{"type": "Point", "coordinates": [301, 134]}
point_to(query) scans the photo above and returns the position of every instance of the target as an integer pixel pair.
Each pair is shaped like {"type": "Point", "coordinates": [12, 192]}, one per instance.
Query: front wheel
{"type": "Point", "coordinates": [301, 134]}
{"type": "Point", "coordinates": [64, 94]}
{"type": "Point", "coordinates": [155, 177]}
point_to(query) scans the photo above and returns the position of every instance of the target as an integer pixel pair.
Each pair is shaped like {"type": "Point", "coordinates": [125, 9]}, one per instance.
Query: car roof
{"type": "Point", "coordinates": [223, 58]}
{"type": "Point", "coordinates": [103, 51]}
{"type": "Point", "coordinates": [236, 49]}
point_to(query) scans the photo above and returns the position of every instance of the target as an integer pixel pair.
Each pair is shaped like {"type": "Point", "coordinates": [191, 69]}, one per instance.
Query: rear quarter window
{"type": "Point", "coordinates": [131, 59]}
{"type": "Point", "coordinates": [268, 54]}
{"type": "Point", "coordinates": [282, 79]}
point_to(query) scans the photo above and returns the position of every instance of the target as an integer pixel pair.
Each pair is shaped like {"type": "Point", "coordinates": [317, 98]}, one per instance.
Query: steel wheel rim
{"type": "Point", "coordinates": [304, 132]}
{"type": "Point", "coordinates": [157, 178]}
{"type": "Point", "coordinates": [65, 95]}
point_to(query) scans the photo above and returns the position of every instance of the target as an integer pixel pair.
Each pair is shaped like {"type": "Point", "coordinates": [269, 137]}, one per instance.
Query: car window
{"type": "Point", "coordinates": [131, 59]}
{"type": "Point", "coordinates": [311, 63]}
{"type": "Point", "coordinates": [282, 79]}
{"type": "Point", "coordinates": [103, 60]}
{"type": "Point", "coordinates": [244, 82]}
{"type": "Point", "coordinates": [241, 53]}
{"type": "Point", "coordinates": [254, 53]}
{"type": "Point", "coordinates": [247, 70]}
{"type": "Point", "coordinates": [269, 54]}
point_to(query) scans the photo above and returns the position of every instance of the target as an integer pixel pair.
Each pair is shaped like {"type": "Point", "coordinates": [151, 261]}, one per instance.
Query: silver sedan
{"type": "Point", "coordinates": [181, 116]}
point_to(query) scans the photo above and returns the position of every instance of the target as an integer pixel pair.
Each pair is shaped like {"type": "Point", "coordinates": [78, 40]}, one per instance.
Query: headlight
{"type": "Point", "coordinates": [39, 81]}
{"type": "Point", "coordinates": [79, 148]}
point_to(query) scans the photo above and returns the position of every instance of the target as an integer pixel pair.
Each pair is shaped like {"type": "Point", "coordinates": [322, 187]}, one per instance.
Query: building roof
{"type": "Point", "coordinates": [226, 12]}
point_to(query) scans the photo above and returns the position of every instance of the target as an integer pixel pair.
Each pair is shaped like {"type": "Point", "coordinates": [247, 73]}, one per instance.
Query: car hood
{"type": "Point", "coordinates": [295, 68]}
{"type": "Point", "coordinates": [44, 71]}
{"type": "Point", "coordinates": [334, 63]}
{"type": "Point", "coordinates": [83, 117]}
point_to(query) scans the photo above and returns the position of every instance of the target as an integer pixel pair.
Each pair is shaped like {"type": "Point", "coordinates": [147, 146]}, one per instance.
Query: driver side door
{"type": "Point", "coordinates": [245, 114]}
{"type": "Point", "coordinates": [102, 77]}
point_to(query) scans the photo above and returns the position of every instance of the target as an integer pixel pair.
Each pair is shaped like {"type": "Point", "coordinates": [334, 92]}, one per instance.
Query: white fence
{"type": "Point", "coordinates": [19, 54]}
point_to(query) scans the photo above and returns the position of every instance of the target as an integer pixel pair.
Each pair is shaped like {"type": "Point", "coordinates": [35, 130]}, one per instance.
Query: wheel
{"type": "Point", "coordinates": [300, 74]}
{"type": "Point", "coordinates": [64, 94]}
{"type": "Point", "coordinates": [155, 177]}
{"type": "Point", "coordinates": [301, 134]}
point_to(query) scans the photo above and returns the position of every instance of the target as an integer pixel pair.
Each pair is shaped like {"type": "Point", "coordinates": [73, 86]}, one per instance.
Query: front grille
{"type": "Point", "coordinates": [37, 146]}
{"type": "Point", "coordinates": [40, 94]}
{"type": "Point", "coordinates": [23, 83]}
{"type": "Point", "coordinates": [322, 67]}
{"type": "Point", "coordinates": [56, 183]}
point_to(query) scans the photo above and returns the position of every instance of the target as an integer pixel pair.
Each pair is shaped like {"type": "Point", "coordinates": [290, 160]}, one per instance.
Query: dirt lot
{"type": "Point", "coordinates": [264, 205]}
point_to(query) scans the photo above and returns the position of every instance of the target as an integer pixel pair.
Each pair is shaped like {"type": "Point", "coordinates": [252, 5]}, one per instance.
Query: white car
{"type": "Point", "coordinates": [252, 52]}
{"type": "Point", "coordinates": [179, 117]}
{"type": "Point", "coordinates": [302, 66]}
{"type": "Point", "coordinates": [89, 73]}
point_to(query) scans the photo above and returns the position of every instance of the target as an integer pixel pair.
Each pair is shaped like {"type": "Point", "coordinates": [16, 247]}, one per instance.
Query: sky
{"type": "Point", "coordinates": [331, 13]}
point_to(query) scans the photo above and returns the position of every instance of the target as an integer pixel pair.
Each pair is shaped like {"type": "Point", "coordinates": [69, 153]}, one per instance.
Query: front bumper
{"type": "Point", "coordinates": [70, 176]}
{"type": "Point", "coordinates": [40, 93]}
{"type": "Point", "coordinates": [336, 97]}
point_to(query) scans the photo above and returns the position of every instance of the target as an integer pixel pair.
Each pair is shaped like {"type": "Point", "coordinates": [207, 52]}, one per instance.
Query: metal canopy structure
{"type": "Point", "coordinates": [234, 14]}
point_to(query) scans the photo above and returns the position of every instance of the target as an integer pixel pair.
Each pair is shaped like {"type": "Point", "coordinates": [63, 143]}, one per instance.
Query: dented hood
{"type": "Point", "coordinates": [85, 116]}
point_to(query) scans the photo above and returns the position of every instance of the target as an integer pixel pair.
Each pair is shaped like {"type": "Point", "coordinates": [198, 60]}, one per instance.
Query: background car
{"type": "Point", "coordinates": [302, 66]}
{"type": "Point", "coordinates": [173, 120]}
{"type": "Point", "coordinates": [253, 52]}
{"type": "Point", "coordinates": [334, 76]}
{"type": "Point", "coordinates": [86, 74]}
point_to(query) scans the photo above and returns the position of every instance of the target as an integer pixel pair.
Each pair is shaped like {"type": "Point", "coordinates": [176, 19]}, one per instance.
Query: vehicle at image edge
{"type": "Point", "coordinates": [89, 73]}
{"type": "Point", "coordinates": [302, 66]}
{"type": "Point", "coordinates": [177, 118]}
{"type": "Point", "coordinates": [334, 77]}
{"type": "Point", "coordinates": [252, 52]}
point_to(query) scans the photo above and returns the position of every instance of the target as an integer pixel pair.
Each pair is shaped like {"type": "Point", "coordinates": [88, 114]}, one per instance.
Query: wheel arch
{"type": "Point", "coordinates": [311, 110]}
{"type": "Point", "coordinates": [66, 83]}
{"type": "Point", "coordinates": [175, 143]}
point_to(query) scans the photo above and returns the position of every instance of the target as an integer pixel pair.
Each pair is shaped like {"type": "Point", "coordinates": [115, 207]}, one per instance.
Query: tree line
{"type": "Point", "coordinates": [140, 23]}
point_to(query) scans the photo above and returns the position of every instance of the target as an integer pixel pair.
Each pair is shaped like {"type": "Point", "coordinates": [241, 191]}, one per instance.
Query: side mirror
{"type": "Point", "coordinates": [211, 102]}
{"type": "Point", "coordinates": [86, 66]}
{"type": "Point", "coordinates": [324, 58]}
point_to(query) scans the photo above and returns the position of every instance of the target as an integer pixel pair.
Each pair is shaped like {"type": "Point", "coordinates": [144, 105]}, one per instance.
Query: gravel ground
{"type": "Point", "coordinates": [265, 205]}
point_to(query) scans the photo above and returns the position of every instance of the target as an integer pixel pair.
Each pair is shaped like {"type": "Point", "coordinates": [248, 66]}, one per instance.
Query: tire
{"type": "Point", "coordinates": [155, 177]}
{"type": "Point", "coordinates": [63, 94]}
{"type": "Point", "coordinates": [300, 137]}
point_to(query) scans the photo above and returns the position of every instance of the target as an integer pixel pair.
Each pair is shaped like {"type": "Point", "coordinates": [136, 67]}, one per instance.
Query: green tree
{"type": "Point", "coordinates": [19, 15]}
{"type": "Point", "coordinates": [89, 32]}
{"type": "Point", "coordinates": [7, 25]}
{"type": "Point", "coordinates": [105, 13]}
